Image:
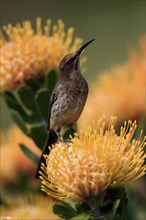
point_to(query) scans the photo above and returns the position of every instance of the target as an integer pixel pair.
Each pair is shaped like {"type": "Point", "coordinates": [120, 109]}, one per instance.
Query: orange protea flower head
{"type": "Point", "coordinates": [119, 91]}
{"type": "Point", "coordinates": [27, 54]}
{"type": "Point", "coordinates": [137, 61]}
{"type": "Point", "coordinates": [94, 160]}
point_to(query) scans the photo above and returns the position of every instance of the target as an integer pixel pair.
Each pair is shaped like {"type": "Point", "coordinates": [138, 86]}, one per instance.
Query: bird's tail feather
{"type": "Point", "coordinates": [51, 139]}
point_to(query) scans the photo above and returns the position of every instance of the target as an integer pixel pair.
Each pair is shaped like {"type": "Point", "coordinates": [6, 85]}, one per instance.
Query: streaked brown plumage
{"type": "Point", "coordinates": [67, 100]}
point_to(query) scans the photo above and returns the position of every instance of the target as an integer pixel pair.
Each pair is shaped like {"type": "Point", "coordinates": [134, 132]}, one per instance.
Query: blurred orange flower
{"type": "Point", "coordinates": [28, 207]}
{"type": "Point", "coordinates": [120, 91]}
{"type": "Point", "coordinates": [29, 54]}
{"type": "Point", "coordinates": [13, 161]}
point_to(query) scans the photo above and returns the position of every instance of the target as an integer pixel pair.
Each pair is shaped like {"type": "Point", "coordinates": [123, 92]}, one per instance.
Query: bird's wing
{"type": "Point", "coordinates": [52, 100]}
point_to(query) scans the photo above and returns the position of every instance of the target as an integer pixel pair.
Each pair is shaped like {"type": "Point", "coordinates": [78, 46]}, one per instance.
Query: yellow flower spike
{"type": "Point", "coordinates": [27, 53]}
{"type": "Point", "coordinates": [69, 37]}
{"type": "Point", "coordinates": [94, 160]}
{"type": "Point", "coordinates": [61, 32]}
{"type": "Point", "coordinates": [47, 27]}
{"type": "Point", "coordinates": [2, 39]}
{"type": "Point", "coordinates": [39, 26]}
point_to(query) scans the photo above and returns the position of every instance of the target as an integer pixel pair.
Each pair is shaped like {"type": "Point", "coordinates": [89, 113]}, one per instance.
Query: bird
{"type": "Point", "coordinates": [67, 100]}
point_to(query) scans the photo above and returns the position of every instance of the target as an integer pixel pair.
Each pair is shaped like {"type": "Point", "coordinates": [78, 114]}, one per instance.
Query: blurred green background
{"type": "Point", "coordinates": [116, 25]}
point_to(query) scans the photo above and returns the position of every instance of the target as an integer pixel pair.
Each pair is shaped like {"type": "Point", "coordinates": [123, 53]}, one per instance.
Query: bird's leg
{"type": "Point", "coordinates": [72, 130]}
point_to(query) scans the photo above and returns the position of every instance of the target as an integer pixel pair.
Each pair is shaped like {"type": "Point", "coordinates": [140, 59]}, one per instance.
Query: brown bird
{"type": "Point", "coordinates": [67, 100]}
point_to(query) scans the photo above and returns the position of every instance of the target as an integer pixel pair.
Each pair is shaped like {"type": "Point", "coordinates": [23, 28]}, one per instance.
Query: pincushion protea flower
{"type": "Point", "coordinates": [27, 54]}
{"type": "Point", "coordinates": [94, 160]}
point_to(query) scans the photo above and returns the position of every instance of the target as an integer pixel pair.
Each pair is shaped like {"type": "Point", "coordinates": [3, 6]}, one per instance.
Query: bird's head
{"type": "Point", "coordinates": [70, 63]}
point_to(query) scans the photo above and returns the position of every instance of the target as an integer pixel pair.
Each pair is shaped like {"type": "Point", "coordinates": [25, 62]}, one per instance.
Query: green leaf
{"type": "Point", "coordinates": [122, 208]}
{"type": "Point", "coordinates": [113, 215]}
{"type": "Point", "coordinates": [83, 216]}
{"type": "Point", "coordinates": [69, 211]}
{"type": "Point", "coordinates": [51, 80]}
{"type": "Point", "coordinates": [66, 212]}
{"type": "Point", "coordinates": [42, 103]}
{"type": "Point", "coordinates": [29, 153]}
{"type": "Point", "coordinates": [82, 207]}
{"type": "Point", "coordinates": [19, 121]}
{"type": "Point", "coordinates": [116, 217]}
{"type": "Point", "coordinates": [38, 133]}
{"type": "Point", "coordinates": [12, 102]}
{"type": "Point", "coordinates": [116, 205]}
{"type": "Point", "coordinates": [116, 193]}
{"type": "Point", "coordinates": [27, 98]}
{"type": "Point", "coordinates": [118, 209]}
{"type": "Point", "coordinates": [33, 84]}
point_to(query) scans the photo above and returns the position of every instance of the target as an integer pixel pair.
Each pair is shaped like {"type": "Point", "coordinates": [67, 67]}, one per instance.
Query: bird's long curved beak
{"type": "Point", "coordinates": [83, 47]}
{"type": "Point", "coordinates": [78, 52]}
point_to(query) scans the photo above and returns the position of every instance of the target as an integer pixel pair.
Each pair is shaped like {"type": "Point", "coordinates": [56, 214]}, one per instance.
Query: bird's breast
{"type": "Point", "coordinates": [69, 103]}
